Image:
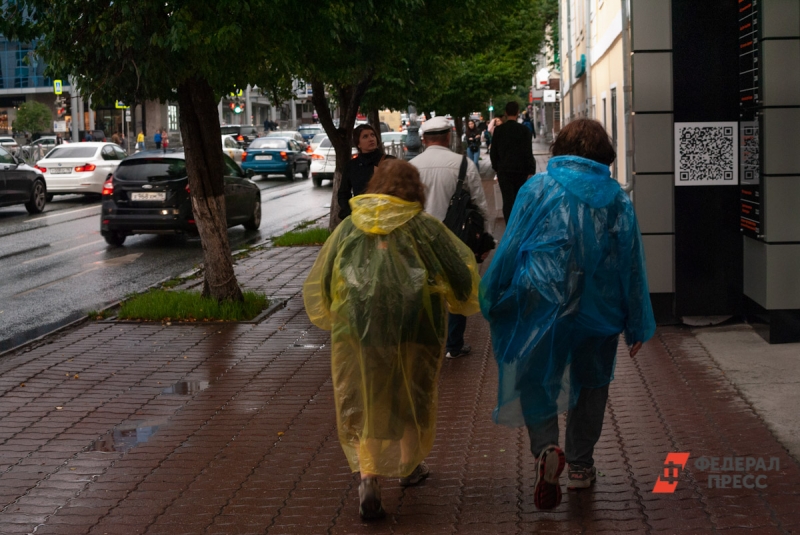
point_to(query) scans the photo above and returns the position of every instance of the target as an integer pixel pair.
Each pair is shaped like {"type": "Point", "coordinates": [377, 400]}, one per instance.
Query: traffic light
{"type": "Point", "coordinates": [236, 107]}
{"type": "Point", "coordinates": [491, 108]}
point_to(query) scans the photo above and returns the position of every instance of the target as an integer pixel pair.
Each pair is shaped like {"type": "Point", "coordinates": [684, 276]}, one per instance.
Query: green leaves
{"type": "Point", "coordinates": [33, 117]}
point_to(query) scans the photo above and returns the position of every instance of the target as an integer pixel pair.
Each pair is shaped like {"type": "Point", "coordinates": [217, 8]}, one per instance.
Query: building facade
{"type": "Point", "coordinates": [712, 139]}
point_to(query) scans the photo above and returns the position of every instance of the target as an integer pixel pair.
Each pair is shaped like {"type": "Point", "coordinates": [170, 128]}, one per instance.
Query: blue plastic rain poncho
{"type": "Point", "coordinates": [568, 277]}
{"type": "Point", "coordinates": [383, 284]}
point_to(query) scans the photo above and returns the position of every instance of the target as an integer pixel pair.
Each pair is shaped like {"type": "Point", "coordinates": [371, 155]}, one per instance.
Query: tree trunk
{"type": "Point", "coordinates": [375, 119]}
{"type": "Point", "coordinates": [199, 121]}
{"type": "Point", "coordinates": [459, 132]}
{"type": "Point", "coordinates": [349, 98]}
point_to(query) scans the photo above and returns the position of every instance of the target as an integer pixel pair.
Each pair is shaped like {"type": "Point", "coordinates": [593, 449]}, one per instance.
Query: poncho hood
{"type": "Point", "coordinates": [381, 214]}
{"type": "Point", "coordinates": [588, 180]}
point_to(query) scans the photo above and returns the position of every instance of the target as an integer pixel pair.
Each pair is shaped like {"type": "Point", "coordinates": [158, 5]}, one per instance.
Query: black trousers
{"type": "Point", "coordinates": [510, 183]}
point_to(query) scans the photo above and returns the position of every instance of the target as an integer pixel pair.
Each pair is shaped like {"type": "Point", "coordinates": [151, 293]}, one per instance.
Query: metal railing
{"type": "Point", "coordinates": [31, 155]}
{"type": "Point", "coordinates": [396, 149]}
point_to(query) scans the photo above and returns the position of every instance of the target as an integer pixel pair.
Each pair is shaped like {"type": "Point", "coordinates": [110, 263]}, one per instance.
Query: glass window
{"type": "Point", "coordinates": [108, 153]}
{"type": "Point", "coordinates": [264, 143]}
{"type": "Point", "coordinates": [72, 152]}
{"type": "Point", "coordinates": [326, 143]}
{"type": "Point", "coordinates": [172, 118]}
{"type": "Point", "coordinates": [121, 154]}
{"type": "Point", "coordinates": [229, 130]}
{"type": "Point", "coordinates": [150, 169]}
{"type": "Point", "coordinates": [231, 168]}
{"type": "Point", "coordinates": [5, 156]}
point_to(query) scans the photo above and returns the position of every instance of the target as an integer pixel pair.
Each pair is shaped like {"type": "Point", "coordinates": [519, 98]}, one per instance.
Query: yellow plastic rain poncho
{"type": "Point", "coordinates": [383, 284]}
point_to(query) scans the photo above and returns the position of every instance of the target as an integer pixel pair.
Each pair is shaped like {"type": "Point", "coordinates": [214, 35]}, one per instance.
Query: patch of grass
{"type": "Point", "coordinates": [177, 281]}
{"type": "Point", "coordinates": [164, 305]}
{"type": "Point", "coordinates": [311, 236]}
{"type": "Point", "coordinates": [99, 314]}
{"type": "Point", "coordinates": [303, 225]}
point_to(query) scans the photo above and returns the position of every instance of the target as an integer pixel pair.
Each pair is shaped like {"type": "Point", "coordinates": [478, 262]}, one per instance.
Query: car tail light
{"type": "Point", "coordinates": [85, 168]}
{"type": "Point", "coordinates": [240, 137]}
{"type": "Point", "coordinates": [108, 187]}
{"type": "Point", "coordinates": [317, 157]}
{"type": "Point", "coordinates": [189, 191]}
{"type": "Point", "coordinates": [191, 221]}
{"type": "Point", "coordinates": [354, 156]}
{"type": "Point", "coordinates": [244, 156]}
{"type": "Point", "coordinates": [309, 149]}
{"type": "Point", "coordinates": [42, 169]}
{"type": "Point", "coordinates": [283, 156]}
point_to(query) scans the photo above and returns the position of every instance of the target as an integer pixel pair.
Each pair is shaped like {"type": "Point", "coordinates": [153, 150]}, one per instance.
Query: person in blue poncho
{"type": "Point", "coordinates": [567, 278]}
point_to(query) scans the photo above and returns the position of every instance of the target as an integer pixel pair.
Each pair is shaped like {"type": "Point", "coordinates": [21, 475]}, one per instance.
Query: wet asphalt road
{"type": "Point", "coordinates": [55, 267]}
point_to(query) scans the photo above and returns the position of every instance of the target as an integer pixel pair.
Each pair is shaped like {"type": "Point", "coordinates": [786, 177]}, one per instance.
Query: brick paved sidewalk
{"type": "Point", "coordinates": [99, 441]}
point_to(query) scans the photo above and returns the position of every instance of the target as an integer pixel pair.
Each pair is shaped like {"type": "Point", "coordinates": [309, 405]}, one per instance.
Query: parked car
{"type": "Point", "coordinates": [243, 134]}
{"type": "Point", "coordinates": [10, 144]}
{"type": "Point", "coordinates": [232, 148]}
{"type": "Point", "coordinates": [80, 167]}
{"type": "Point", "coordinates": [393, 137]}
{"type": "Point", "coordinates": [290, 134]}
{"type": "Point", "coordinates": [21, 184]}
{"type": "Point", "coordinates": [277, 155]}
{"type": "Point", "coordinates": [149, 194]}
{"type": "Point", "coordinates": [308, 131]}
{"type": "Point", "coordinates": [323, 162]}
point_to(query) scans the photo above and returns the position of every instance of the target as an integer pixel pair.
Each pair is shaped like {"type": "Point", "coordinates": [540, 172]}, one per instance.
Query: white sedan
{"type": "Point", "coordinates": [323, 162]}
{"type": "Point", "coordinates": [232, 148]}
{"type": "Point", "coordinates": [80, 167]}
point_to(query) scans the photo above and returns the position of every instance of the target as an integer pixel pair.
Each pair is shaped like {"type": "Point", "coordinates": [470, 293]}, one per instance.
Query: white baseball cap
{"type": "Point", "coordinates": [436, 125]}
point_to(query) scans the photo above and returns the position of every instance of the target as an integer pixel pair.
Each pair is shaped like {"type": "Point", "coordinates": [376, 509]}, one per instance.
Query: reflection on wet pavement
{"type": "Point", "coordinates": [123, 439]}
{"type": "Point", "coordinates": [183, 388]}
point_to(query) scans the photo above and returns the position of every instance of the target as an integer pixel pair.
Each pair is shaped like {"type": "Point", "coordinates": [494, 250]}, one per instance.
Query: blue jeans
{"type": "Point", "coordinates": [456, 325]}
{"type": "Point", "coordinates": [474, 155]}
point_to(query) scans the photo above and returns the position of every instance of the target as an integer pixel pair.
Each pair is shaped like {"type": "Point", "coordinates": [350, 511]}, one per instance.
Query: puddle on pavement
{"type": "Point", "coordinates": [184, 388]}
{"type": "Point", "coordinates": [122, 440]}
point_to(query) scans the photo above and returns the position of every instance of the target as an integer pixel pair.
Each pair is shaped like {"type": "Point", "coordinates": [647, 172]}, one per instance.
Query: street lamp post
{"type": "Point", "coordinates": [413, 141]}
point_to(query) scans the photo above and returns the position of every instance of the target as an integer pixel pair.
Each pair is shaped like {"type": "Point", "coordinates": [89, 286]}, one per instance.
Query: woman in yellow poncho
{"type": "Point", "coordinates": [383, 284]}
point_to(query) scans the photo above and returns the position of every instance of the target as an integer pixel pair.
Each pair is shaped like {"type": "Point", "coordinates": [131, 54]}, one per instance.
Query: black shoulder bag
{"type": "Point", "coordinates": [464, 219]}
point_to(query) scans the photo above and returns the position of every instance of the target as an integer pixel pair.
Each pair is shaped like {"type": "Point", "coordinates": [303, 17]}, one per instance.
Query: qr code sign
{"type": "Point", "coordinates": [706, 154]}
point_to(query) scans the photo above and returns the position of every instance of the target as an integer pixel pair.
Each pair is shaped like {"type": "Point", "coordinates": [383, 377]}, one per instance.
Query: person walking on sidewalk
{"type": "Point", "coordinates": [157, 139]}
{"type": "Point", "coordinates": [473, 136]}
{"type": "Point", "coordinates": [359, 170]}
{"type": "Point", "coordinates": [382, 284]}
{"type": "Point", "coordinates": [568, 277]}
{"type": "Point", "coordinates": [512, 157]}
{"type": "Point", "coordinates": [438, 170]}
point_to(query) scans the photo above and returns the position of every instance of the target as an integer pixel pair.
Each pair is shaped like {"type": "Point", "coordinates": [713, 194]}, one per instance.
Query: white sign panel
{"type": "Point", "coordinates": [59, 126]}
{"type": "Point", "coordinates": [549, 95]}
{"type": "Point", "coordinates": [707, 154]}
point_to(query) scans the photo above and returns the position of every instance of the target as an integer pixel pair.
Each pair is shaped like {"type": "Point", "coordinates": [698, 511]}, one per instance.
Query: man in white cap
{"type": "Point", "coordinates": [438, 169]}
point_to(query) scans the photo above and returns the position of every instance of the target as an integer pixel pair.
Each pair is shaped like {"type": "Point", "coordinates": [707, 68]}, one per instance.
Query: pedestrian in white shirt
{"type": "Point", "coordinates": [438, 169]}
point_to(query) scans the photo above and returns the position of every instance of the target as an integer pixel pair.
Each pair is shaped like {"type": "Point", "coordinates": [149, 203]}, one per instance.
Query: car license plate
{"type": "Point", "coordinates": [267, 157]}
{"type": "Point", "coordinates": [60, 170]}
{"type": "Point", "coordinates": [149, 196]}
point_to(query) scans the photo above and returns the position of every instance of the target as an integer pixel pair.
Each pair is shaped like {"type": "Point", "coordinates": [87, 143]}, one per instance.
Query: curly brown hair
{"type": "Point", "coordinates": [585, 138]}
{"type": "Point", "coordinates": [398, 178]}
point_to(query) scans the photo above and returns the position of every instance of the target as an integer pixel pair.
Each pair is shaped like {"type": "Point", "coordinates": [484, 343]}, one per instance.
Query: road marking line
{"type": "Point", "coordinates": [62, 251]}
{"type": "Point", "coordinates": [45, 285]}
{"type": "Point", "coordinates": [57, 214]}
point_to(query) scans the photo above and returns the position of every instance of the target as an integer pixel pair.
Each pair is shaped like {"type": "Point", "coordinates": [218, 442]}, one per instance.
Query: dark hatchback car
{"type": "Point", "coordinates": [149, 194]}
{"type": "Point", "coordinates": [21, 184]}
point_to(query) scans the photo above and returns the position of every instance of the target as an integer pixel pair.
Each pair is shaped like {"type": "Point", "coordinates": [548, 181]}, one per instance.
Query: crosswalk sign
{"type": "Point", "coordinates": [57, 87]}
{"type": "Point", "coordinates": [120, 105]}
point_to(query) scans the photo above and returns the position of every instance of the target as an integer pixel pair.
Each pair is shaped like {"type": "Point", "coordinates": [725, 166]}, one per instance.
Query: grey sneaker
{"type": "Point", "coordinates": [465, 350]}
{"type": "Point", "coordinates": [546, 488]}
{"type": "Point", "coordinates": [581, 477]}
{"type": "Point", "coordinates": [415, 478]}
{"type": "Point", "coordinates": [369, 495]}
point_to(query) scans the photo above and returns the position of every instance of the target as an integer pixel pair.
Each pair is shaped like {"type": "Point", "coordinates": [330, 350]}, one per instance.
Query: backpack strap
{"type": "Point", "coordinates": [462, 173]}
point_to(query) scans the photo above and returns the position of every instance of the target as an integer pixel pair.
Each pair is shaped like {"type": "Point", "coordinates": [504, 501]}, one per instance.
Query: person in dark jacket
{"type": "Point", "coordinates": [512, 157]}
{"type": "Point", "coordinates": [359, 170]}
{"type": "Point", "coordinates": [473, 136]}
